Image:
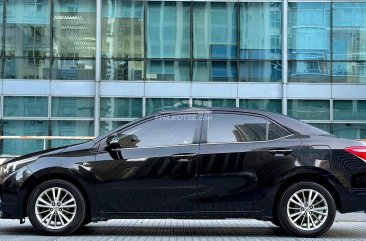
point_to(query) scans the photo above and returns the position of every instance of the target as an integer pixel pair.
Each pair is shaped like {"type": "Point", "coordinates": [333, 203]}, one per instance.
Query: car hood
{"type": "Point", "coordinates": [49, 152]}
{"type": "Point", "coordinates": [30, 155]}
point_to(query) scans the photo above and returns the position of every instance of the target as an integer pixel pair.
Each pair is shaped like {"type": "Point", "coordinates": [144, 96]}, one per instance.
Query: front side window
{"type": "Point", "coordinates": [231, 128]}
{"type": "Point", "coordinates": [169, 130]}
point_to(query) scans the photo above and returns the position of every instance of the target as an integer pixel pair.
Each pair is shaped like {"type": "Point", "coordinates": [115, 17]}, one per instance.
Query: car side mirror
{"type": "Point", "coordinates": [122, 141]}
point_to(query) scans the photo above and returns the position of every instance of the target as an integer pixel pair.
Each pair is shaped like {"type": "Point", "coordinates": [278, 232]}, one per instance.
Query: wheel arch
{"type": "Point", "coordinates": [61, 176]}
{"type": "Point", "coordinates": [310, 177]}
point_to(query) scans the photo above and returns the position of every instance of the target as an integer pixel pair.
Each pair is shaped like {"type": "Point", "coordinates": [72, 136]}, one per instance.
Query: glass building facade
{"type": "Point", "coordinates": [83, 67]}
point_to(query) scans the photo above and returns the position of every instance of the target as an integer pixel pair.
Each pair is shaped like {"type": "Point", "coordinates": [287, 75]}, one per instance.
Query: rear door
{"type": "Point", "coordinates": [241, 155]}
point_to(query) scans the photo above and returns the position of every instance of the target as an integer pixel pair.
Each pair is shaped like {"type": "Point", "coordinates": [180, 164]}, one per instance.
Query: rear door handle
{"type": "Point", "coordinates": [280, 152]}
{"type": "Point", "coordinates": [184, 157]}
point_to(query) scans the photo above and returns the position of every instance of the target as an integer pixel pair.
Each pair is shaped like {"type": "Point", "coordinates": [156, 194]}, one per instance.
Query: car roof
{"type": "Point", "coordinates": [296, 126]}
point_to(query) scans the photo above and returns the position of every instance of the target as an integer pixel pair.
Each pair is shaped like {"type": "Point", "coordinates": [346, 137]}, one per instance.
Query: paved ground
{"type": "Point", "coordinates": [179, 230]}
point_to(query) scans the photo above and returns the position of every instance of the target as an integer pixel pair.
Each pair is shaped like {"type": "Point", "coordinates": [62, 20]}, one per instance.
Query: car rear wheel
{"type": "Point", "coordinates": [306, 209]}
{"type": "Point", "coordinates": [56, 207]}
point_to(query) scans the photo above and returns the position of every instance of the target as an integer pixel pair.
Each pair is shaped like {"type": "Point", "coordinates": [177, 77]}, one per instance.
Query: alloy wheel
{"type": "Point", "coordinates": [55, 208]}
{"type": "Point", "coordinates": [307, 209]}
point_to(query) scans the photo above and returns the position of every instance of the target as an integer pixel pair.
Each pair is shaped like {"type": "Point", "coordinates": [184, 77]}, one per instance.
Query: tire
{"type": "Point", "coordinates": [275, 222]}
{"type": "Point", "coordinates": [56, 200]}
{"type": "Point", "coordinates": [293, 217]}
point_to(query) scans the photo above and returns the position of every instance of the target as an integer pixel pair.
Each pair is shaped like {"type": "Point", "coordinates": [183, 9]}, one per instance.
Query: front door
{"type": "Point", "coordinates": [152, 168]}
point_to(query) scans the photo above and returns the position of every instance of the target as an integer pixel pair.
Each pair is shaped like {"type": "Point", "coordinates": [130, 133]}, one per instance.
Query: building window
{"type": "Point", "coordinates": [266, 105]}
{"type": "Point", "coordinates": [260, 71]}
{"type": "Point", "coordinates": [70, 128]}
{"type": "Point", "coordinates": [322, 126]}
{"type": "Point", "coordinates": [309, 31]}
{"type": "Point", "coordinates": [122, 70]}
{"type": "Point", "coordinates": [27, 28]}
{"type": "Point", "coordinates": [123, 29]}
{"type": "Point", "coordinates": [309, 109]}
{"type": "Point", "coordinates": [260, 30]}
{"type": "Point", "coordinates": [115, 107]}
{"type": "Point", "coordinates": [214, 30]}
{"type": "Point", "coordinates": [154, 105]}
{"type": "Point", "coordinates": [216, 71]}
{"type": "Point", "coordinates": [168, 30]}
{"type": "Point", "coordinates": [25, 106]}
{"type": "Point", "coordinates": [168, 70]}
{"type": "Point", "coordinates": [76, 107]}
{"type": "Point", "coordinates": [74, 29]}
{"type": "Point", "coordinates": [349, 34]}
{"type": "Point", "coordinates": [23, 128]}
{"type": "Point", "coordinates": [350, 130]}
{"type": "Point", "coordinates": [73, 69]}
{"type": "Point", "coordinates": [109, 125]}
{"type": "Point", "coordinates": [309, 71]}
{"type": "Point", "coordinates": [349, 109]}
{"type": "Point", "coordinates": [349, 72]}
{"type": "Point", "coordinates": [33, 68]}
{"type": "Point", "coordinates": [230, 103]}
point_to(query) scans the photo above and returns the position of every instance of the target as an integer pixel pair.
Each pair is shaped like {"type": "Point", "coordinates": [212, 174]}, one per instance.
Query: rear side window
{"type": "Point", "coordinates": [275, 131]}
{"type": "Point", "coordinates": [228, 128]}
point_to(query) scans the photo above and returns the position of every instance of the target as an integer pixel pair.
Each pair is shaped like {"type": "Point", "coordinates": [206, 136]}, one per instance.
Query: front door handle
{"type": "Point", "coordinates": [280, 152]}
{"type": "Point", "coordinates": [184, 157]}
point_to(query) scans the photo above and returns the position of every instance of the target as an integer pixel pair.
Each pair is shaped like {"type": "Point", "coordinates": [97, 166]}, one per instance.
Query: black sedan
{"type": "Point", "coordinates": [193, 163]}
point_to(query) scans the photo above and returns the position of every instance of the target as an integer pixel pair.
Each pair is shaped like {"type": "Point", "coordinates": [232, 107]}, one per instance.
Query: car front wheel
{"type": "Point", "coordinates": [306, 209]}
{"type": "Point", "coordinates": [56, 207]}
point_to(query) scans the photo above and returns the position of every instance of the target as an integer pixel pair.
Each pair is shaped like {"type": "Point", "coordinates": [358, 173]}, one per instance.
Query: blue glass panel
{"type": "Point", "coordinates": [113, 107]}
{"type": "Point", "coordinates": [214, 103]}
{"type": "Point", "coordinates": [349, 31]}
{"type": "Point", "coordinates": [309, 71]}
{"type": "Point", "coordinates": [350, 130]}
{"type": "Point", "coordinates": [1, 28]}
{"type": "Point", "coordinates": [260, 71]}
{"type": "Point", "coordinates": [309, 31]}
{"type": "Point", "coordinates": [73, 69]}
{"type": "Point", "coordinates": [70, 128]}
{"type": "Point", "coordinates": [160, 104]}
{"type": "Point", "coordinates": [168, 30]}
{"type": "Point", "coordinates": [23, 128]}
{"type": "Point", "coordinates": [215, 71]}
{"type": "Point", "coordinates": [349, 109]}
{"type": "Point", "coordinates": [72, 107]}
{"type": "Point", "coordinates": [214, 24]}
{"type": "Point", "coordinates": [109, 125]}
{"type": "Point", "coordinates": [322, 126]}
{"type": "Point", "coordinates": [27, 68]}
{"type": "Point", "coordinates": [122, 28]}
{"type": "Point", "coordinates": [27, 28]}
{"type": "Point", "coordinates": [122, 70]}
{"type": "Point", "coordinates": [267, 105]}
{"type": "Point", "coordinates": [349, 72]}
{"type": "Point", "coordinates": [309, 109]}
{"type": "Point", "coordinates": [260, 30]}
{"type": "Point", "coordinates": [74, 28]}
{"type": "Point", "coordinates": [25, 106]}
{"type": "Point", "coordinates": [168, 70]}
{"type": "Point", "coordinates": [224, 71]}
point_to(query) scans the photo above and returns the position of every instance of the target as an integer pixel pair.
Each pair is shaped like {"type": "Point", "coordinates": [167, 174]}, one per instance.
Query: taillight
{"type": "Point", "coordinates": [359, 151]}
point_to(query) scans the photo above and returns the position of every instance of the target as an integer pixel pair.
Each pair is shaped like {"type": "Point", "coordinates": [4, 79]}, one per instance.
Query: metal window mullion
{"type": "Point", "coordinates": [284, 55]}
{"type": "Point", "coordinates": [238, 45]}
{"type": "Point", "coordinates": [98, 49]}
{"type": "Point", "coordinates": [144, 106]}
